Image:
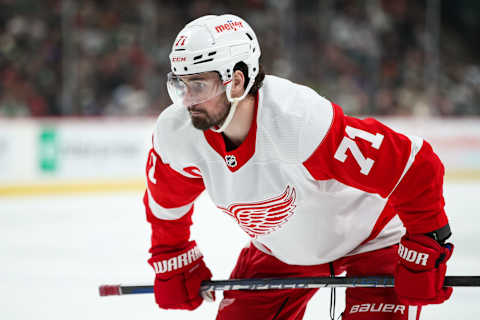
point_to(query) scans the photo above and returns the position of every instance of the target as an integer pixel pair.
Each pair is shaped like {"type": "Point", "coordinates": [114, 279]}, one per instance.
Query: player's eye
{"type": "Point", "coordinates": [197, 86]}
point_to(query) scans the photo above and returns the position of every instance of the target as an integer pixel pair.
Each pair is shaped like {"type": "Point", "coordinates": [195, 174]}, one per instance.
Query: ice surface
{"type": "Point", "coordinates": [55, 252]}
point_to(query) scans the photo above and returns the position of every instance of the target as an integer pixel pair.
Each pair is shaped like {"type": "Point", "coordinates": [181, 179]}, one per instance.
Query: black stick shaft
{"type": "Point", "coordinates": [290, 283]}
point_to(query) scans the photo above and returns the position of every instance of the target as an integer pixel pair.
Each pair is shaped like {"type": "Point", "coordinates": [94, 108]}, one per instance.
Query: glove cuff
{"type": "Point", "coordinates": [166, 265]}
{"type": "Point", "coordinates": [420, 252]}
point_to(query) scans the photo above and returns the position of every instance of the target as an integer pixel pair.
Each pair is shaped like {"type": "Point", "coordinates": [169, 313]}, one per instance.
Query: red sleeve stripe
{"type": "Point", "coordinates": [416, 145]}
{"type": "Point", "coordinates": [167, 213]}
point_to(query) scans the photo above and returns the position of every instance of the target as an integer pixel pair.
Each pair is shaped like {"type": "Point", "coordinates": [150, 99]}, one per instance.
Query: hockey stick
{"type": "Point", "coordinates": [289, 283]}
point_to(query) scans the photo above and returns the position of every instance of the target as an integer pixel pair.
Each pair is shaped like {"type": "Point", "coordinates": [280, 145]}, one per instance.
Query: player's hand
{"type": "Point", "coordinates": [421, 269]}
{"type": "Point", "coordinates": [178, 278]}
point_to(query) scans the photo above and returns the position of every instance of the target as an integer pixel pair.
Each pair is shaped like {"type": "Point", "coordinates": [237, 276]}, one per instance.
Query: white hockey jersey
{"type": "Point", "coordinates": [308, 185]}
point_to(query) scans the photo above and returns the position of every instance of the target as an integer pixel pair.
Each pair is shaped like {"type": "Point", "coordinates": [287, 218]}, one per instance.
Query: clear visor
{"type": "Point", "coordinates": [194, 89]}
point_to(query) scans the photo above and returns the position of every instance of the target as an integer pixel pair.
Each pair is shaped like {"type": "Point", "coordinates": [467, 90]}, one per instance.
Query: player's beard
{"type": "Point", "coordinates": [205, 121]}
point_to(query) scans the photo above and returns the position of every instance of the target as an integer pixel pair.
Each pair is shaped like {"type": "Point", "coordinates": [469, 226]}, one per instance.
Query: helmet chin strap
{"type": "Point", "coordinates": [234, 103]}
{"type": "Point", "coordinates": [229, 117]}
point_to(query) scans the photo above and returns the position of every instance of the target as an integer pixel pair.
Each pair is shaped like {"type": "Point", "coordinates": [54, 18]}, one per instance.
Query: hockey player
{"type": "Point", "coordinates": [319, 192]}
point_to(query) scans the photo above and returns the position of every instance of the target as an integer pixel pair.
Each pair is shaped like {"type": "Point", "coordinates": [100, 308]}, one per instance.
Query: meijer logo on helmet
{"type": "Point", "coordinates": [230, 25]}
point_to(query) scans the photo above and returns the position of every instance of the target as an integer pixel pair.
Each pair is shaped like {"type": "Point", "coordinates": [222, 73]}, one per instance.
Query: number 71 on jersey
{"type": "Point", "coordinates": [348, 142]}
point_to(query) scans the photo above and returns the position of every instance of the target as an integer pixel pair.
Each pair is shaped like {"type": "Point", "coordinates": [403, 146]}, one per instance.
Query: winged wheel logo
{"type": "Point", "coordinates": [263, 217]}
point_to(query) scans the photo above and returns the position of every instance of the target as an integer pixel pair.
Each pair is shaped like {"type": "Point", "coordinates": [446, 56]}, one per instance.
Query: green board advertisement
{"type": "Point", "coordinates": [48, 150]}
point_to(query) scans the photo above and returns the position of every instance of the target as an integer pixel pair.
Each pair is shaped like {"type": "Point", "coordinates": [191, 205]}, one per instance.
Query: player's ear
{"type": "Point", "coordinates": [238, 83]}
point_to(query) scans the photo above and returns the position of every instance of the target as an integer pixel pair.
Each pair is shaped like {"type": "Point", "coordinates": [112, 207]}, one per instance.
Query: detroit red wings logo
{"type": "Point", "coordinates": [263, 217]}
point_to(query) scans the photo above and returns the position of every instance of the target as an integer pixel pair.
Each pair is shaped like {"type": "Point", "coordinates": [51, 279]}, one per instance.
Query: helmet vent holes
{"type": "Point", "coordinates": [185, 68]}
{"type": "Point", "coordinates": [212, 53]}
{"type": "Point", "coordinates": [198, 57]}
{"type": "Point", "coordinates": [249, 36]}
{"type": "Point", "coordinates": [203, 61]}
{"type": "Point", "coordinates": [180, 49]}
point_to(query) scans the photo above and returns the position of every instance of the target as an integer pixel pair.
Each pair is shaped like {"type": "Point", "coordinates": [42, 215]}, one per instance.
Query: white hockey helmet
{"type": "Point", "coordinates": [215, 43]}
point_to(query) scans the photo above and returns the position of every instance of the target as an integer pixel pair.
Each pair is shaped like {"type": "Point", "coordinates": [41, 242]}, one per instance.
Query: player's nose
{"type": "Point", "coordinates": [188, 99]}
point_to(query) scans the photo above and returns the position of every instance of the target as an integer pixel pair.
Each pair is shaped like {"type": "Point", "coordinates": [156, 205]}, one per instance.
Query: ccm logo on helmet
{"type": "Point", "coordinates": [230, 25]}
{"type": "Point", "coordinates": [179, 59]}
{"type": "Point", "coordinates": [412, 255]}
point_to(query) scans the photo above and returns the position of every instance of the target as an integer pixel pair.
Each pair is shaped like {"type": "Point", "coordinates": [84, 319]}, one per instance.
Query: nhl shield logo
{"type": "Point", "coordinates": [231, 161]}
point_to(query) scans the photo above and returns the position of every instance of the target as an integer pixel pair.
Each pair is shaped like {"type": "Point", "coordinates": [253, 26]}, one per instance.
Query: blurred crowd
{"type": "Point", "coordinates": [96, 58]}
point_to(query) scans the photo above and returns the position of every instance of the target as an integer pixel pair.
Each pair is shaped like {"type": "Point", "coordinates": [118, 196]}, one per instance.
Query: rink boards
{"type": "Point", "coordinates": [108, 154]}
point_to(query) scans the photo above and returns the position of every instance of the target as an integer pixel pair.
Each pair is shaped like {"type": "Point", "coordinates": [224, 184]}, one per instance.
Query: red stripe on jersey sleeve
{"type": "Point", "coordinates": [367, 155]}
{"type": "Point", "coordinates": [418, 198]}
{"type": "Point", "coordinates": [169, 189]}
{"type": "Point", "coordinates": [168, 235]}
